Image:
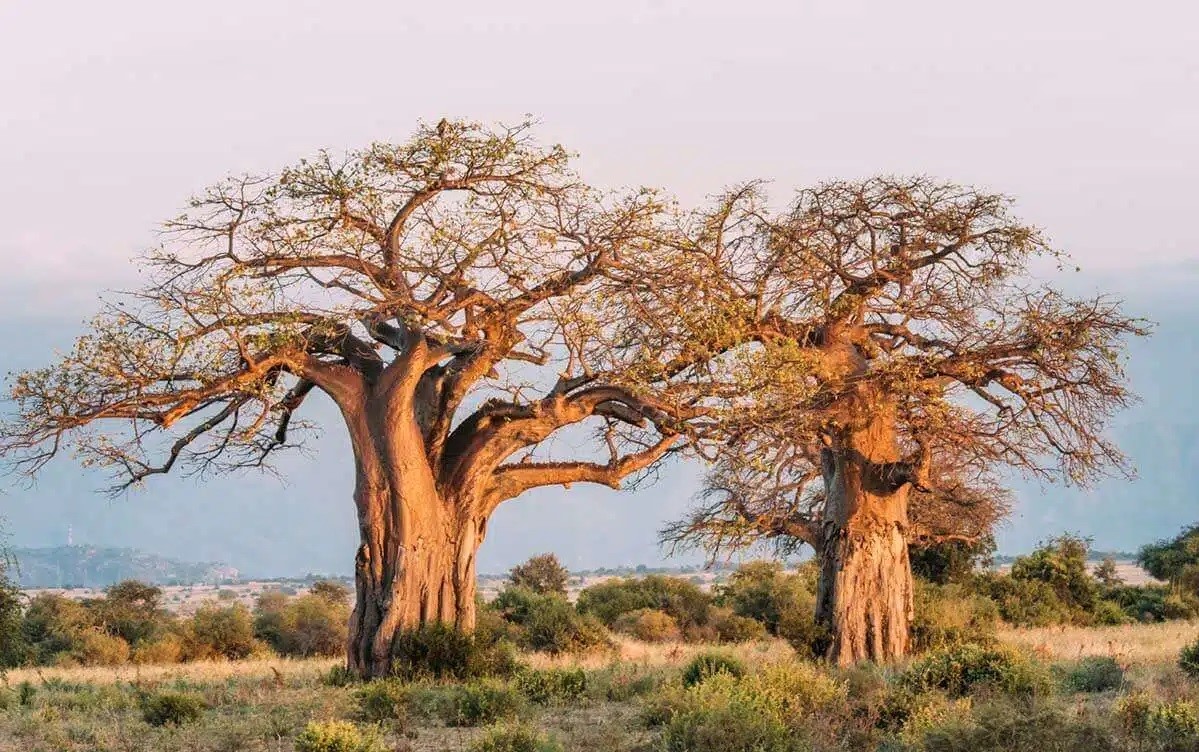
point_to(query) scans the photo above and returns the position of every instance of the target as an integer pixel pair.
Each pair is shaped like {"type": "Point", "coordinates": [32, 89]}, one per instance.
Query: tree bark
{"type": "Point", "coordinates": [864, 601]}
{"type": "Point", "coordinates": [415, 563]}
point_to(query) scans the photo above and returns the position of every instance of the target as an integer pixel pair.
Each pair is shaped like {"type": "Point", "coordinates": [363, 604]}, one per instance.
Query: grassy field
{"type": "Point", "coordinates": [265, 704]}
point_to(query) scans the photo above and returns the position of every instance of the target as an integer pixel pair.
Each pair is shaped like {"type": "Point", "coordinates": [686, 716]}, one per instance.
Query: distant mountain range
{"type": "Point", "coordinates": [98, 567]}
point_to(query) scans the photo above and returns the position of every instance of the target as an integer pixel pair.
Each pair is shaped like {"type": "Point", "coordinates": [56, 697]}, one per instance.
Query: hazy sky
{"type": "Point", "coordinates": [114, 112]}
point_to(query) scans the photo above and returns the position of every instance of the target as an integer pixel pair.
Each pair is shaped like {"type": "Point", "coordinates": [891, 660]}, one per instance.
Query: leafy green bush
{"type": "Point", "coordinates": [96, 648]}
{"type": "Point", "coordinates": [1099, 673]}
{"type": "Point", "coordinates": [1188, 659]}
{"type": "Point", "coordinates": [514, 737]}
{"type": "Point", "coordinates": [623, 682]}
{"type": "Point", "coordinates": [1022, 726]}
{"type": "Point", "coordinates": [339, 736]}
{"type": "Point", "coordinates": [542, 574]}
{"type": "Point", "coordinates": [553, 685]}
{"type": "Point", "coordinates": [312, 624]}
{"type": "Point", "coordinates": [172, 708]}
{"type": "Point", "coordinates": [733, 628]}
{"type": "Point", "coordinates": [1168, 559]}
{"type": "Point", "coordinates": [1023, 603]}
{"type": "Point", "coordinates": [961, 669]}
{"type": "Point", "coordinates": [54, 626]}
{"type": "Point", "coordinates": [133, 611]}
{"type": "Point", "coordinates": [1061, 563]}
{"type": "Point", "coordinates": [439, 651]}
{"type": "Point", "coordinates": [382, 700]}
{"type": "Point", "coordinates": [648, 625]}
{"type": "Point", "coordinates": [947, 615]}
{"type": "Point", "coordinates": [781, 708]}
{"type": "Point", "coordinates": [1171, 726]}
{"type": "Point", "coordinates": [706, 665]}
{"type": "Point", "coordinates": [764, 592]}
{"type": "Point", "coordinates": [681, 599]}
{"type": "Point", "coordinates": [220, 631]}
{"type": "Point", "coordinates": [479, 702]}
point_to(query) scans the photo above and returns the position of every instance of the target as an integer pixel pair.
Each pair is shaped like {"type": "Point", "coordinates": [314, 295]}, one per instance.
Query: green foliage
{"type": "Point", "coordinates": [434, 650]}
{"type": "Point", "coordinates": [514, 737]}
{"type": "Point", "coordinates": [440, 651]}
{"type": "Point", "coordinates": [1098, 673]}
{"type": "Point", "coordinates": [333, 592]}
{"type": "Point", "coordinates": [948, 615]}
{"type": "Point", "coordinates": [220, 631]}
{"type": "Point", "coordinates": [1168, 727]}
{"type": "Point", "coordinates": [382, 700]}
{"type": "Point", "coordinates": [1188, 659]}
{"type": "Point", "coordinates": [549, 623]}
{"type": "Point", "coordinates": [552, 686]}
{"type": "Point", "coordinates": [312, 624]}
{"type": "Point", "coordinates": [172, 708]}
{"type": "Point", "coordinates": [648, 625]}
{"type": "Point", "coordinates": [681, 599]}
{"type": "Point", "coordinates": [779, 708]}
{"type": "Point", "coordinates": [962, 669]}
{"type": "Point", "coordinates": [1023, 603]}
{"type": "Point", "coordinates": [475, 703]}
{"type": "Point", "coordinates": [55, 626]}
{"type": "Point", "coordinates": [762, 591]}
{"type": "Point", "coordinates": [955, 561]}
{"type": "Point", "coordinates": [707, 665]}
{"type": "Point", "coordinates": [14, 648]}
{"type": "Point", "coordinates": [1168, 559]}
{"type": "Point", "coordinates": [731, 627]}
{"type": "Point", "coordinates": [1061, 564]}
{"type": "Point", "coordinates": [1002, 725]}
{"type": "Point", "coordinates": [339, 736]}
{"type": "Point", "coordinates": [25, 693]}
{"type": "Point", "coordinates": [542, 574]}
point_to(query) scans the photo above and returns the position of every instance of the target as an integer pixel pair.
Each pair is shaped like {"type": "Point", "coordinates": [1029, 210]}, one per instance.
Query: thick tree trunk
{"type": "Point", "coordinates": [421, 579]}
{"type": "Point", "coordinates": [865, 594]}
{"type": "Point", "coordinates": [416, 561]}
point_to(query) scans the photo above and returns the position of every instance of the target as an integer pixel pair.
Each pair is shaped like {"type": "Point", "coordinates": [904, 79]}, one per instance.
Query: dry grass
{"type": "Point", "coordinates": [635, 653]}
{"type": "Point", "coordinates": [1135, 643]}
{"type": "Point", "coordinates": [308, 669]}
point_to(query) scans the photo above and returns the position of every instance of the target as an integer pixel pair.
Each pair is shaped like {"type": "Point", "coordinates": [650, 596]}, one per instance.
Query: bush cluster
{"type": "Point", "coordinates": [130, 624]}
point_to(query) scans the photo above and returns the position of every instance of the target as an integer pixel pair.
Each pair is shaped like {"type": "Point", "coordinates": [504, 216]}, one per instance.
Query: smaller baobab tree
{"type": "Point", "coordinates": [455, 296]}
{"type": "Point", "coordinates": [879, 349]}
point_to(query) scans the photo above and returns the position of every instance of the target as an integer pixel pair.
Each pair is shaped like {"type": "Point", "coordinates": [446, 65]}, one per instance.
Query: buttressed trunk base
{"type": "Point", "coordinates": [408, 576]}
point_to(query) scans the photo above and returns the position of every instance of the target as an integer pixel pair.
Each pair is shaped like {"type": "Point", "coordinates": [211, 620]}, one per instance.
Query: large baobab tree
{"type": "Point", "coordinates": [880, 348]}
{"type": "Point", "coordinates": [454, 296]}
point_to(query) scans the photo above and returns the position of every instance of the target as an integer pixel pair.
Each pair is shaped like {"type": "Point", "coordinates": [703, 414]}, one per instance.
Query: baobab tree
{"type": "Point", "coordinates": [454, 296]}
{"type": "Point", "coordinates": [876, 350]}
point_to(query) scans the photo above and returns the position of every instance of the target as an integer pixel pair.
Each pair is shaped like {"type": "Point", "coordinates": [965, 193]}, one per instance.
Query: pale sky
{"type": "Point", "coordinates": [112, 113]}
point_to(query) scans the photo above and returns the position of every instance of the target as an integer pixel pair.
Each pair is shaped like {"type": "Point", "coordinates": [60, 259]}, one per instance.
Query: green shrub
{"type": "Point", "coordinates": [623, 682]}
{"type": "Point", "coordinates": [1023, 726]}
{"type": "Point", "coordinates": [542, 574]}
{"type": "Point", "coordinates": [1169, 559]}
{"type": "Point", "coordinates": [948, 615]}
{"type": "Point", "coordinates": [552, 686]}
{"type": "Point", "coordinates": [556, 628]}
{"type": "Point", "coordinates": [648, 625]}
{"type": "Point", "coordinates": [732, 628]}
{"type": "Point", "coordinates": [1109, 613]}
{"type": "Point", "coordinates": [707, 665]}
{"type": "Point", "coordinates": [171, 708]}
{"type": "Point", "coordinates": [220, 631]}
{"type": "Point", "coordinates": [1023, 603]}
{"type": "Point", "coordinates": [479, 702]}
{"type": "Point", "coordinates": [1188, 659]}
{"type": "Point", "coordinates": [439, 651]}
{"type": "Point", "coordinates": [1061, 563]}
{"type": "Point", "coordinates": [339, 736]}
{"type": "Point", "coordinates": [338, 676]}
{"type": "Point", "coordinates": [681, 599]}
{"type": "Point", "coordinates": [962, 669]}
{"type": "Point", "coordinates": [1098, 673]}
{"type": "Point", "coordinates": [96, 648]}
{"type": "Point", "coordinates": [54, 626]}
{"type": "Point", "coordinates": [382, 700]}
{"type": "Point", "coordinates": [514, 737]}
{"type": "Point", "coordinates": [735, 726]}
{"type": "Point", "coordinates": [799, 628]}
{"type": "Point", "coordinates": [762, 591]}
{"type": "Point", "coordinates": [25, 694]}
{"type": "Point", "coordinates": [1170, 727]}
{"type": "Point", "coordinates": [783, 707]}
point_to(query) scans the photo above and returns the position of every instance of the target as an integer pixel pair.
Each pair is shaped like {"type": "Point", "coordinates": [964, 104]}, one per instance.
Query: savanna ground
{"type": "Point", "coordinates": [628, 698]}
